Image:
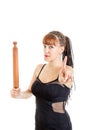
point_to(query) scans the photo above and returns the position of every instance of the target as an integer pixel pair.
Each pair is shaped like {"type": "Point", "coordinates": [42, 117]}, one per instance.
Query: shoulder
{"type": "Point", "coordinates": [38, 68]}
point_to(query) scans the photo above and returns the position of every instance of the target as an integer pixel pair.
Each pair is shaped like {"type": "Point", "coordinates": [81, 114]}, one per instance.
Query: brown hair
{"type": "Point", "coordinates": [52, 37]}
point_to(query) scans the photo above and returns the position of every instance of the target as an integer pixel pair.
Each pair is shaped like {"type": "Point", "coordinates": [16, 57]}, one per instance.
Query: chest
{"type": "Point", "coordinates": [49, 91]}
{"type": "Point", "coordinates": [48, 75]}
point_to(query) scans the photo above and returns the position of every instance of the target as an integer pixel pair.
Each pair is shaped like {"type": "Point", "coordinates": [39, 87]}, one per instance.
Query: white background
{"type": "Point", "coordinates": [27, 21]}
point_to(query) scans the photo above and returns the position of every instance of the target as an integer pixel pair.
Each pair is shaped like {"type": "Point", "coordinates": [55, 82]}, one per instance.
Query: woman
{"type": "Point", "coordinates": [51, 84]}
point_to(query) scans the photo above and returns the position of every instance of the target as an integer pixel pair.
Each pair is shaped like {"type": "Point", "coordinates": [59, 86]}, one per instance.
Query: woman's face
{"type": "Point", "coordinates": [52, 52]}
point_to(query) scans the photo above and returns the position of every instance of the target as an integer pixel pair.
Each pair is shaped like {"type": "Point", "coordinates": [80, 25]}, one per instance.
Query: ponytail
{"type": "Point", "coordinates": [68, 52]}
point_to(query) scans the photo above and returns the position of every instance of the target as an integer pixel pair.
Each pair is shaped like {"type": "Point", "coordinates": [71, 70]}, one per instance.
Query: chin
{"type": "Point", "coordinates": [46, 59]}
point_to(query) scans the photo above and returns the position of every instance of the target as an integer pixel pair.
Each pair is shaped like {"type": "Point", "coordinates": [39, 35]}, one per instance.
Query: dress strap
{"type": "Point", "coordinates": [41, 70]}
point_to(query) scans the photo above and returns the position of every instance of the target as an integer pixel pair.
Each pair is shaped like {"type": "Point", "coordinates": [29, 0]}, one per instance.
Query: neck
{"type": "Point", "coordinates": [57, 63]}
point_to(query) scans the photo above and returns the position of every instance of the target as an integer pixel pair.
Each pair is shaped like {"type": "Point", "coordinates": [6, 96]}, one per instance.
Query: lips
{"type": "Point", "coordinates": [46, 55]}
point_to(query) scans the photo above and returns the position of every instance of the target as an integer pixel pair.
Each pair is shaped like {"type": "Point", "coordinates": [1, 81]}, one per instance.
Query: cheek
{"type": "Point", "coordinates": [60, 51]}
{"type": "Point", "coordinates": [55, 53]}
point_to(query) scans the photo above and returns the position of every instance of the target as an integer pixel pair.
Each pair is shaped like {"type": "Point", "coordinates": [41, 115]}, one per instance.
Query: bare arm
{"type": "Point", "coordinates": [17, 93]}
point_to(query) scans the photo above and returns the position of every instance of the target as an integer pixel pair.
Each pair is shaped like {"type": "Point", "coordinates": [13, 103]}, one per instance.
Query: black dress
{"type": "Point", "coordinates": [46, 118]}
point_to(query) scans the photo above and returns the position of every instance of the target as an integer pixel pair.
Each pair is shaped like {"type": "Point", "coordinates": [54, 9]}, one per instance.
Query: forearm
{"type": "Point", "coordinates": [24, 95]}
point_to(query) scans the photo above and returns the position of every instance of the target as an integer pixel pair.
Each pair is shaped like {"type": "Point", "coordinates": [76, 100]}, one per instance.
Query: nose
{"type": "Point", "coordinates": [46, 49]}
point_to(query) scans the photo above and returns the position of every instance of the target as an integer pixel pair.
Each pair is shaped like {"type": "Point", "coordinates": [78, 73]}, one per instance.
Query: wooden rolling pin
{"type": "Point", "coordinates": [15, 66]}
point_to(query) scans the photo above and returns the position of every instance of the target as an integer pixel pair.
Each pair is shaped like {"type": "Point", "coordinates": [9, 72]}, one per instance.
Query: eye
{"type": "Point", "coordinates": [51, 46]}
{"type": "Point", "coordinates": [44, 46]}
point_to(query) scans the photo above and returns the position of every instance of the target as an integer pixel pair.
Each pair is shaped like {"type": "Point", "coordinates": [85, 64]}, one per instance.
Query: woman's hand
{"type": "Point", "coordinates": [66, 74]}
{"type": "Point", "coordinates": [15, 92]}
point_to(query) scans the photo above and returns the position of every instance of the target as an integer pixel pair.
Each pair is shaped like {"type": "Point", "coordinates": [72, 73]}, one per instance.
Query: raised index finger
{"type": "Point", "coordinates": [65, 62]}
